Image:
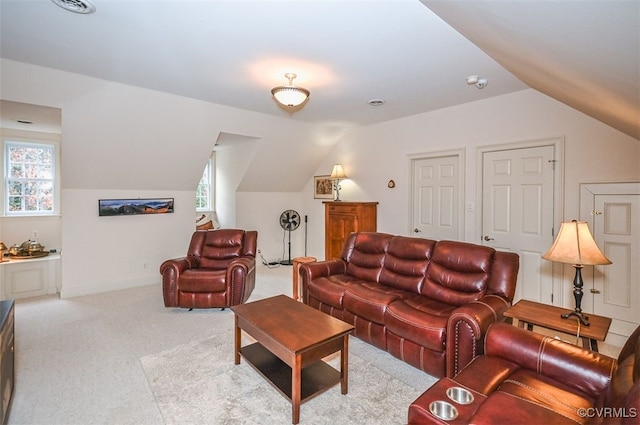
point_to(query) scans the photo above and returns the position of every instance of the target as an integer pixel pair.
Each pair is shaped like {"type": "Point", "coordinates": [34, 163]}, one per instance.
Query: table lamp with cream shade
{"type": "Point", "coordinates": [575, 245]}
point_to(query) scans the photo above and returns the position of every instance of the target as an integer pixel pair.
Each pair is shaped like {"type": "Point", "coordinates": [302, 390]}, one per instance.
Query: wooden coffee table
{"type": "Point", "coordinates": [531, 313]}
{"type": "Point", "coordinates": [292, 338]}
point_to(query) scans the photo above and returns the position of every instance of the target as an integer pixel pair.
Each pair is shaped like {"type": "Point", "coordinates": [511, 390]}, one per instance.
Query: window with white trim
{"type": "Point", "coordinates": [29, 178]}
{"type": "Point", "coordinates": [206, 188]}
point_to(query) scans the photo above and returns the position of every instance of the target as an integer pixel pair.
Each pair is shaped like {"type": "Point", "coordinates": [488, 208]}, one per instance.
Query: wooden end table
{"type": "Point", "coordinates": [297, 262]}
{"type": "Point", "coordinates": [292, 338]}
{"type": "Point", "coordinates": [548, 316]}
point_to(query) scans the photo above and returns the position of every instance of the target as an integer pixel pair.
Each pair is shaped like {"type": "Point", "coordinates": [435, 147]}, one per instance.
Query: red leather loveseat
{"type": "Point", "coordinates": [527, 378]}
{"type": "Point", "coordinates": [426, 302]}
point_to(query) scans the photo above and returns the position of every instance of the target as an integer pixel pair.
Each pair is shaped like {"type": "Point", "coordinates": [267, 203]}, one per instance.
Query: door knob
{"type": "Point", "coordinates": [594, 291]}
{"type": "Point", "coordinates": [487, 238]}
{"type": "Point", "coordinates": [416, 230]}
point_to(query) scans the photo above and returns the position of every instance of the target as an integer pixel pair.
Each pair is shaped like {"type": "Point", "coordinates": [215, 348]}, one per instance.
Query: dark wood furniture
{"type": "Point", "coordinates": [6, 356]}
{"type": "Point", "coordinates": [532, 313]}
{"type": "Point", "coordinates": [297, 289]}
{"type": "Point", "coordinates": [292, 338]}
{"type": "Point", "coordinates": [342, 218]}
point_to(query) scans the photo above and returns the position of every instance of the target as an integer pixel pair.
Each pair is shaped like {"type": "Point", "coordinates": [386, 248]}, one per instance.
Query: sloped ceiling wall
{"type": "Point", "coordinates": [585, 54]}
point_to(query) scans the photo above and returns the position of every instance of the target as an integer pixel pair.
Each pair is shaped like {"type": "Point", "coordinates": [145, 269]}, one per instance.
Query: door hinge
{"type": "Point", "coordinates": [553, 163]}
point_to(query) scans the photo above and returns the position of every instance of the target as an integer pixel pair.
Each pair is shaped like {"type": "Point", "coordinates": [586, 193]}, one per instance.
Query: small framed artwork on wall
{"type": "Point", "coordinates": [322, 187]}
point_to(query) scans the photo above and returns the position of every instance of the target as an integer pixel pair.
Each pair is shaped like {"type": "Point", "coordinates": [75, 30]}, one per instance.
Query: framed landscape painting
{"type": "Point", "coordinates": [114, 207]}
{"type": "Point", "coordinates": [322, 187]}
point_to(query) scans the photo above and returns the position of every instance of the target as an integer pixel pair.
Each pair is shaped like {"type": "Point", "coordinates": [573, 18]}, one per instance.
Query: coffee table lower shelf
{"type": "Point", "coordinates": [316, 378]}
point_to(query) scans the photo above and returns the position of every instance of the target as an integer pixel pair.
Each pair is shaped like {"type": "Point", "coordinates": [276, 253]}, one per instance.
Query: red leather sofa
{"type": "Point", "coordinates": [219, 270]}
{"type": "Point", "coordinates": [426, 302]}
{"type": "Point", "coordinates": [527, 378]}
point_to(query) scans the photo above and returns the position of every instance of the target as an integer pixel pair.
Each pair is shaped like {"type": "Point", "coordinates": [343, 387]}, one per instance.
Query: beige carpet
{"type": "Point", "coordinates": [198, 383]}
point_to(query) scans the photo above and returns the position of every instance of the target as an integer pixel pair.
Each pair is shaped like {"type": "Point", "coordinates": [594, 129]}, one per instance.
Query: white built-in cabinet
{"type": "Point", "coordinates": [29, 277]}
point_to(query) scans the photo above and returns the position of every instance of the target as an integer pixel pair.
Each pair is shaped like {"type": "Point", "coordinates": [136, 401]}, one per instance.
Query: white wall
{"type": "Point", "coordinates": [372, 155]}
{"type": "Point", "coordinates": [103, 253]}
{"type": "Point", "coordinates": [125, 142]}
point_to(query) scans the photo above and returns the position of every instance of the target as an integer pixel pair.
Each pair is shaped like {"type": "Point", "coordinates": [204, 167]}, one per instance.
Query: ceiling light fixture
{"type": "Point", "coordinates": [474, 80]}
{"type": "Point", "coordinates": [290, 96]}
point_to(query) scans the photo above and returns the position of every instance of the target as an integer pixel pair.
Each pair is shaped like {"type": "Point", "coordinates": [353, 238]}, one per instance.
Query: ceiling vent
{"type": "Point", "coordinates": [76, 6]}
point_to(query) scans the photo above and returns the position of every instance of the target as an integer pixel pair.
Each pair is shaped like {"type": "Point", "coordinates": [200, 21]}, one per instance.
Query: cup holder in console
{"type": "Point", "coordinates": [460, 395]}
{"type": "Point", "coordinates": [443, 410]}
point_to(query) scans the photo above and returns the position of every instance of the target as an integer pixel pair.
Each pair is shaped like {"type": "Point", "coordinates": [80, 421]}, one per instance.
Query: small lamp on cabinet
{"type": "Point", "coordinates": [337, 174]}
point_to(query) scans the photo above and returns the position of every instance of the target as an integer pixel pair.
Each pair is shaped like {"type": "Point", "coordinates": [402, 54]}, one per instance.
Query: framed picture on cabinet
{"type": "Point", "coordinates": [322, 187]}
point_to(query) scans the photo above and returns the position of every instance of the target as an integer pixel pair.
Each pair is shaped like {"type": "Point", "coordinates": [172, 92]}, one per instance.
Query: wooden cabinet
{"type": "Point", "coordinates": [6, 356]}
{"type": "Point", "coordinates": [342, 218]}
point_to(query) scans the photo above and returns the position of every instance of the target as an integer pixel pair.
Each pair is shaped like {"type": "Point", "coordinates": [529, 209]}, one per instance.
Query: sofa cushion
{"type": "Point", "coordinates": [458, 272]}
{"type": "Point", "coordinates": [419, 319]}
{"type": "Point", "coordinates": [370, 300]}
{"type": "Point", "coordinates": [330, 290]}
{"type": "Point", "coordinates": [367, 256]}
{"type": "Point", "coordinates": [406, 262]}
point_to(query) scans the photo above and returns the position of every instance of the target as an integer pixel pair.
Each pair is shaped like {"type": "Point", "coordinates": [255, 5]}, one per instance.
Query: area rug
{"type": "Point", "coordinates": [198, 383]}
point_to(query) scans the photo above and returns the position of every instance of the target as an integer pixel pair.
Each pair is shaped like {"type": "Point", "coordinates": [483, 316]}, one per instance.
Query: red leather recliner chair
{"type": "Point", "coordinates": [218, 270]}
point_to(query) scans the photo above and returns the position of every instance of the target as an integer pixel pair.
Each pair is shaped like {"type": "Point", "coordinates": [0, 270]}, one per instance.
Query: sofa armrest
{"type": "Point", "coordinates": [315, 270]}
{"type": "Point", "coordinates": [241, 278]}
{"type": "Point", "coordinates": [467, 327]}
{"type": "Point", "coordinates": [581, 369]}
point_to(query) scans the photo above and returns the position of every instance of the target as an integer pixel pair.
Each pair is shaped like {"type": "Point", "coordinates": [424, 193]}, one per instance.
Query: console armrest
{"type": "Point", "coordinates": [584, 370]}
{"type": "Point", "coordinates": [466, 329]}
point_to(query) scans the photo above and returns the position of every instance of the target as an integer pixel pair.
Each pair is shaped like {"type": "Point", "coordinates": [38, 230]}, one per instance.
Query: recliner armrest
{"type": "Point", "coordinates": [467, 327]}
{"type": "Point", "coordinates": [180, 264]}
{"type": "Point", "coordinates": [584, 370]}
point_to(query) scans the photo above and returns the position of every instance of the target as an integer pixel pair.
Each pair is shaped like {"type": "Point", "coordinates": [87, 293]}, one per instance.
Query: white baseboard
{"type": "Point", "coordinates": [77, 291]}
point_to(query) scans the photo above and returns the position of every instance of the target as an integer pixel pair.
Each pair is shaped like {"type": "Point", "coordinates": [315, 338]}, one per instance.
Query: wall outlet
{"type": "Point", "coordinates": [34, 235]}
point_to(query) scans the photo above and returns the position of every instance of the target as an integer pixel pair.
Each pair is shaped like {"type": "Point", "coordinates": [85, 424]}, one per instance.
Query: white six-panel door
{"type": "Point", "coordinates": [437, 197]}
{"type": "Point", "coordinates": [613, 213]}
{"type": "Point", "coordinates": [517, 213]}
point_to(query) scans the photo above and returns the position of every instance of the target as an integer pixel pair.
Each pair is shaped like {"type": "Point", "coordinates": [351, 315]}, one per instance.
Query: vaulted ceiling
{"type": "Point", "coordinates": [414, 55]}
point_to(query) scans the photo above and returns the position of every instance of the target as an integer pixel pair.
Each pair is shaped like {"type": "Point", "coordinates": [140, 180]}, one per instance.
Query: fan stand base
{"type": "Point", "coordinates": [287, 262]}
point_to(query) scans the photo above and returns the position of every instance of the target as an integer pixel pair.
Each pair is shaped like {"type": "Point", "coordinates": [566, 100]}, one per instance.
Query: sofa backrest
{"type": "Point", "coordinates": [458, 273]}
{"type": "Point", "coordinates": [364, 253]}
{"type": "Point", "coordinates": [217, 248]}
{"type": "Point", "coordinates": [452, 272]}
{"type": "Point", "coordinates": [406, 262]}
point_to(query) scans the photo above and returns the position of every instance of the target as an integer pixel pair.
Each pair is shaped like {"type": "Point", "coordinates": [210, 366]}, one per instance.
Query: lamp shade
{"type": "Point", "coordinates": [338, 173]}
{"type": "Point", "coordinates": [575, 245]}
